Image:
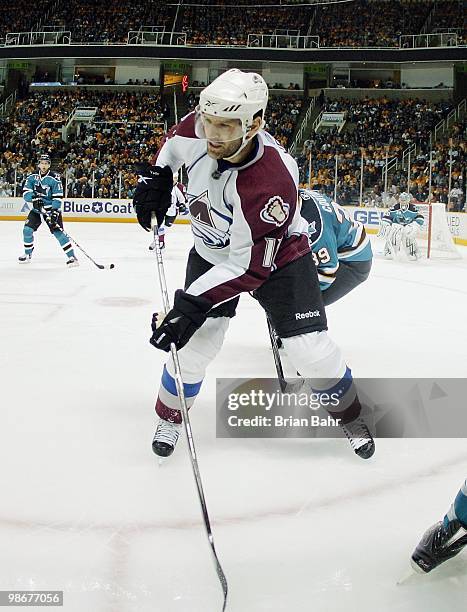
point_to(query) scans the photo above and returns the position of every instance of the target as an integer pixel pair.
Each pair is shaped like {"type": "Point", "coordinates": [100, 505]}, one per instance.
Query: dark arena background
{"type": "Point", "coordinates": [369, 97]}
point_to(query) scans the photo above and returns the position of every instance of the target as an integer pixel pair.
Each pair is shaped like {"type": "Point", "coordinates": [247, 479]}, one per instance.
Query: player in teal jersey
{"type": "Point", "coordinates": [341, 249]}
{"type": "Point", "coordinates": [43, 189]}
{"type": "Point", "coordinates": [400, 226]}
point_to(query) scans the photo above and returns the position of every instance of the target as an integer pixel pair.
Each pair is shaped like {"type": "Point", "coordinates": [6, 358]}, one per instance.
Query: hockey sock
{"type": "Point", "coordinates": [194, 359]}
{"type": "Point", "coordinates": [168, 404]}
{"type": "Point", "coordinates": [458, 509]}
{"type": "Point", "coordinates": [343, 402]}
{"type": "Point", "coordinates": [64, 243]}
{"type": "Point", "coordinates": [28, 239]}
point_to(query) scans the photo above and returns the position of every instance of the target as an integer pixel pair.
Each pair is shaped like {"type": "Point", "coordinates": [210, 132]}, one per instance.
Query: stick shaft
{"type": "Point", "coordinates": [186, 421]}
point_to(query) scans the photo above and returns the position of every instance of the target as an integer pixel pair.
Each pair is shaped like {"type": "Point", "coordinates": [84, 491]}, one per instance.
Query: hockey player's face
{"type": "Point", "coordinates": [224, 136]}
{"type": "Point", "coordinates": [44, 166]}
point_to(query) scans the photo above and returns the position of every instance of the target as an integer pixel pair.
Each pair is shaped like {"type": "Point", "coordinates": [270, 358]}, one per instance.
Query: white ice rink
{"type": "Point", "coordinates": [300, 525]}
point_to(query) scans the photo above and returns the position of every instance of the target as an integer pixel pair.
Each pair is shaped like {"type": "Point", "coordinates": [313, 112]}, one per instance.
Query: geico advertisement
{"type": "Point", "coordinates": [370, 217]}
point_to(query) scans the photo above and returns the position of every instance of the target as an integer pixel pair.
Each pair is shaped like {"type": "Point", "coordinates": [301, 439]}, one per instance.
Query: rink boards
{"type": "Point", "coordinates": [121, 211]}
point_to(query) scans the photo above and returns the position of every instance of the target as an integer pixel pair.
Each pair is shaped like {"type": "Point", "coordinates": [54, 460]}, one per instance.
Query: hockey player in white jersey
{"type": "Point", "coordinates": [248, 237]}
{"type": "Point", "coordinates": [178, 205]}
{"type": "Point", "coordinates": [399, 228]}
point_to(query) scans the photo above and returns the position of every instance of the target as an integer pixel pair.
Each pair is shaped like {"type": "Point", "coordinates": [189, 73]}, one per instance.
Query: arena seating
{"type": "Point", "coordinates": [378, 127]}
{"type": "Point", "coordinates": [353, 24]}
{"type": "Point", "coordinates": [126, 129]}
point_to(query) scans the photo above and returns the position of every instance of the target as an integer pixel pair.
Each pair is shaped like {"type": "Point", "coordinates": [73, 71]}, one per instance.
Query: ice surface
{"type": "Point", "coordinates": [300, 525]}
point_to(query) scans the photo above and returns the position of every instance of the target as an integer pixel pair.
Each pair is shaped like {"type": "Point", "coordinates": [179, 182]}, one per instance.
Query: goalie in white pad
{"type": "Point", "coordinates": [400, 227]}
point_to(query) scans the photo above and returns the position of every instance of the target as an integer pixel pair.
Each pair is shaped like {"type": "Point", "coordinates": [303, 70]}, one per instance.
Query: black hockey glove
{"type": "Point", "coordinates": [37, 202]}
{"type": "Point", "coordinates": [153, 193]}
{"type": "Point", "coordinates": [51, 217]}
{"type": "Point", "coordinates": [189, 312]}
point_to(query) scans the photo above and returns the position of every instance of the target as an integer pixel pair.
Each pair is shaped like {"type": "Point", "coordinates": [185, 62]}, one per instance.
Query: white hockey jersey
{"type": "Point", "coordinates": [244, 217]}
{"type": "Point", "coordinates": [178, 198]}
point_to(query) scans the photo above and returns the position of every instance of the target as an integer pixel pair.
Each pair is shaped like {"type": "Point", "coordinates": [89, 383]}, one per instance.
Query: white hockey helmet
{"type": "Point", "coordinates": [236, 95]}
{"type": "Point", "coordinates": [404, 200]}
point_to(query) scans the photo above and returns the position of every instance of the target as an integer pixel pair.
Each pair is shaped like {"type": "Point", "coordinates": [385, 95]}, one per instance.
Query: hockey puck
{"type": "Point", "coordinates": [112, 266]}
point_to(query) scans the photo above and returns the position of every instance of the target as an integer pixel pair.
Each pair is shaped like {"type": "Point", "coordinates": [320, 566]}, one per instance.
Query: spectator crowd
{"type": "Point", "coordinates": [382, 130]}
{"type": "Point", "coordinates": [99, 156]}
{"type": "Point", "coordinates": [343, 24]}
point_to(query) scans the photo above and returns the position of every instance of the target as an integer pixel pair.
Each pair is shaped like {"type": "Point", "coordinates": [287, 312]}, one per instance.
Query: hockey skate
{"type": "Point", "coordinates": [72, 262]}
{"type": "Point", "coordinates": [438, 544]}
{"type": "Point", "coordinates": [24, 259]}
{"type": "Point", "coordinates": [360, 438]}
{"type": "Point", "coordinates": [165, 438]}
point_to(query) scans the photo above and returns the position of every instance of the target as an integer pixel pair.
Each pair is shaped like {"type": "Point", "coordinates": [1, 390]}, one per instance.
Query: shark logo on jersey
{"type": "Point", "coordinates": [312, 228]}
{"type": "Point", "coordinates": [207, 223]}
{"type": "Point", "coordinates": [276, 211]}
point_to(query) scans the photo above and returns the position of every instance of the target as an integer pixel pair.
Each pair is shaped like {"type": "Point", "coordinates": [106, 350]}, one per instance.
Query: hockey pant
{"type": "Point", "coordinates": [348, 276]}
{"type": "Point", "coordinates": [297, 313]}
{"type": "Point", "coordinates": [32, 224]}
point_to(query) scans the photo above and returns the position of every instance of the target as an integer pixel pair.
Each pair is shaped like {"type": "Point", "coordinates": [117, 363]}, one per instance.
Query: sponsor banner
{"type": "Point", "coordinates": [370, 217]}
{"type": "Point", "coordinates": [84, 113]}
{"type": "Point", "coordinates": [78, 209]}
{"type": "Point", "coordinates": [457, 223]}
{"type": "Point", "coordinates": [332, 118]}
{"type": "Point", "coordinates": [88, 209]}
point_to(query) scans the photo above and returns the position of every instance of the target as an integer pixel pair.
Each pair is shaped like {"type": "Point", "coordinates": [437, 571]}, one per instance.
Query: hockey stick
{"type": "Point", "coordinates": [277, 358]}
{"type": "Point", "coordinates": [186, 419]}
{"type": "Point", "coordinates": [100, 266]}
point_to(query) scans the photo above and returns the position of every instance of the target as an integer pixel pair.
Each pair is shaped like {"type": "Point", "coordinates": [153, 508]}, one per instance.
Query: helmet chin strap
{"type": "Point", "coordinates": [244, 143]}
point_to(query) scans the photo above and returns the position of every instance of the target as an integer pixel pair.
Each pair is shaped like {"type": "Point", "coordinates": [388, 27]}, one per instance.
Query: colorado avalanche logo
{"type": "Point", "coordinates": [209, 224]}
{"type": "Point", "coordinates": [276, 211]}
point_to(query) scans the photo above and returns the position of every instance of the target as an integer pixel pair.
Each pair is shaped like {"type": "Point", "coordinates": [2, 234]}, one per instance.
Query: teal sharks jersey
{"type": "Point", "coordinates": [48, 186]}
{"type": "Point", "coordinates": [334, 236]}
{"type": "Point", "coordinates": [404, 217]}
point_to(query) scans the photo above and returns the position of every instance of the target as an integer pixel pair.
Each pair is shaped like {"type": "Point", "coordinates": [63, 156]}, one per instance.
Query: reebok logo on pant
{"type": "Point", "coordinates": [307, 315]}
